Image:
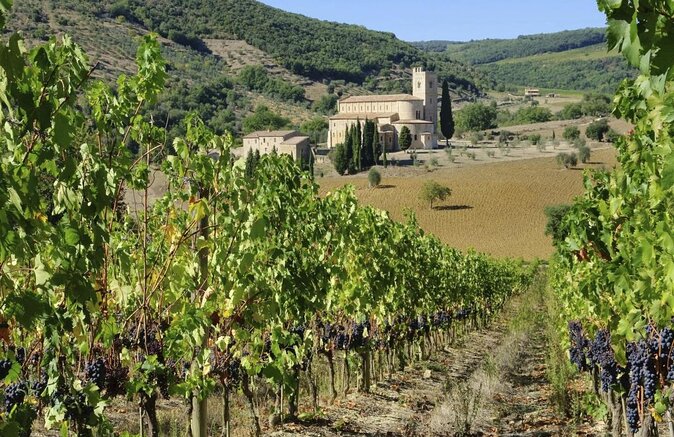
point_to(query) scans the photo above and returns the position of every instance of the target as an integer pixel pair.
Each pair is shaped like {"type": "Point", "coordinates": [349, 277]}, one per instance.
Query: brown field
{"type": "Point", "coordinates": [496, 208]}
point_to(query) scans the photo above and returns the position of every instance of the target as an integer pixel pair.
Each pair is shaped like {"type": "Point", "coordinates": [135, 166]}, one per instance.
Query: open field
{"type": "Point", "coordinates": [496, 207]}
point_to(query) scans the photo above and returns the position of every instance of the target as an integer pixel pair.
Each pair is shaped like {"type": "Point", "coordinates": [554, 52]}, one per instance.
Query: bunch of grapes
{"type": "Point", "coordinates": [602, 355]}
{"type": "Point", "coordinates": [5, 367]}
{"type": "Point", "coordinates": [116, 379]}
{"type": "Point", "coordinates": [95, 372]}
{"type": "Point", "coordinates": [635, 362]}
{"type": "Point", "coordinates": [579, 346]}
{"type": "Point", "coordinates": [358, 339]}
{"type": "Point", "coordinates": [77, 409]}
{"type": "Point", "coordinates": [14, 395]}
{"type": "Point", "coordinates": [39, 385]}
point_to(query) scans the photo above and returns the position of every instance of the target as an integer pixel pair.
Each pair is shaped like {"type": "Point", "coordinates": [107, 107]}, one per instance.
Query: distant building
{"type": "Point", "coordinates": [419, 112]}
{"type": "Point", "coordinates": [532, 92]}
{"type": "Point", "coordinates": [284, 142]}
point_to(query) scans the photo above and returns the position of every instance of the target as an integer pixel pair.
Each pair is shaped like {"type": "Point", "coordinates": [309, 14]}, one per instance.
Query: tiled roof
{"type": "Point", "coordinates": [363, 115]}
{"type": "Point", "coordinates": [274, 133]}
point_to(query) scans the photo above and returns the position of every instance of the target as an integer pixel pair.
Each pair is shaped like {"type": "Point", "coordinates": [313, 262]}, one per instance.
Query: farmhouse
{"type": "Point", "coordinates": [284, 142]}
{"type": "Point", "coordinates": [418, 112]}
{"type": "Point", "coordinates": [532, 92]}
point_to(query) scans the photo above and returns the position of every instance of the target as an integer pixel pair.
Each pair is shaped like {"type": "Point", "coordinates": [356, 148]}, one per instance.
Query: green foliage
{"type": "Point", "coordinates": [602, 75]}
{"type": "Point", "coordinates": [264, 119]}
{"type": "Point", "coordinates": [340, 159]}
{"type": "Point", "coordinates": [595, 105]}
{"type": "Point", "coordinates": [571, 133]}
{"type": "Point", "coordinates": [597, 129]}
{"type": "Point", "coordinates": [432, 191]}
{"type": "Point", "coordinates": [535, 139]}
{"type": "Point", "coordinates": [188, 40]}
{"type": "Point", "coordinates": [405, 138]}
{"type": "Point", "coordinates": [475, 117]}
{"type": "Point", "coordinates": [612, 136]}
{"type": "Point", "coordinates": [370, 149]}
{"type": "Point", "coordinates": [488, 51]}
{"type": "Point", "coordinates": [317, 130]}
{"type": "Point", "coordinates": [554, 228]}
{"type": "Point", "coordinates": [326, 104]}
{"type": "Point", "coordinates": [446, 116]}
{"type": "Point", "coordinates": [308, 47]}
{"type": "Point", "coordinates": [613, 271]}
{"type": "Point", "coordinates": [256, 78]}
{"type": "Point", "coordinates": [374, 178]}
{"type": "Point", "coordinates": [567, 160]}
{"type": "Point", "coordinates": [525, 115]}
{"type": "Point", "coordinates": [584, 154]}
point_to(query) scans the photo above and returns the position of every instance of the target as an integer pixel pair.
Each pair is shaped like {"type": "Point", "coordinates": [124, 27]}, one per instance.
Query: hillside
{"type": "Point", "coordinates": [568, 60]}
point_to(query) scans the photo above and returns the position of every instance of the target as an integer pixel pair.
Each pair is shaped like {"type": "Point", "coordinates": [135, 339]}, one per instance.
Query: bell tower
{"type": "Point", "coordinates": [425, 86]}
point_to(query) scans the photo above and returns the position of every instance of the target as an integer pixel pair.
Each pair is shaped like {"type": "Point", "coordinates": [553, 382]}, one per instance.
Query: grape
{"type": "Point", "coordinates": [39, 385]}
{"type": "Point", "coordinates": [14, 395]}
{"type": "Point", "coordinates": [115, 384]}
{"type": "Point", "coordinates": [601, 354]}
{"type": "Point", "coordinates": [95, 372]}
{"type": "Point", "coordinates": [5, 367]}
{"type": "Point", "coordinates": [579, 346]}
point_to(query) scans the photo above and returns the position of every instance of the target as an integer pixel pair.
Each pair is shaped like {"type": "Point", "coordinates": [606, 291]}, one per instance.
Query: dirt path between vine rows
{"type": "Point", "coordinates": [490, 383]}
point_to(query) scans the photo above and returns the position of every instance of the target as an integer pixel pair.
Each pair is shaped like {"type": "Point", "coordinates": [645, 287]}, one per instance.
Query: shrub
{"type": "Point", "coordinates": [612, 136]}
{"type": "Point", "coordinates": [535, 139]}
{"type": "Point", "coordinates": [597, 129]}
{"type": "Point", "coordinates": [491, 154]}
{"type": "Point", "coordinates": [571, 133]}
{"type": "Point", "coordinates": [433, 191]}
{"type": "Point", "coordinates": [584, 154]}
{"type": "Point", "coordinates": [374, 178]}
{"type": "Point", "coordinates": [568, 160]}
{"type": "Point", "coordinates": [579, 142]}
{"type": "Point", "coordinates": [434, 162]}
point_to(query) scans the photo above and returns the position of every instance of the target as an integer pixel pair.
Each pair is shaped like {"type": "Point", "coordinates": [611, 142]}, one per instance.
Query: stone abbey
{"type": "Point", "coordinates": [391, 113]}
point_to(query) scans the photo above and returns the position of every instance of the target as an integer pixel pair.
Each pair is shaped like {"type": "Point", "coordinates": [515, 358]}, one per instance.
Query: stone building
{"type": "Point", "coordinates": [284, 142]}
{"type": "Point", "coordinates": [419, 112]}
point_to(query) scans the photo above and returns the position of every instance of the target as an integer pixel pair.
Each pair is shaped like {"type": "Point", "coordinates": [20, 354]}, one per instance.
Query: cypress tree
{"type": "Point", "coordinates": [357, 146]}
{"type": "Point", "coordinates": [366, 148]}
{"type": "Point", "coordinates": [250, 165]}
{"type": "Point", "coordinates": [446, 116]}
{"type": "Point", "coordinates": [348, 148]}
{"type": "Point", "coordinates": [374, 146]}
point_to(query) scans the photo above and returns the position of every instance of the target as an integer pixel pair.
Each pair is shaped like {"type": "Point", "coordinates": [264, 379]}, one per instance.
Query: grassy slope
{"type": "Point", "coordinates": [570, 60]}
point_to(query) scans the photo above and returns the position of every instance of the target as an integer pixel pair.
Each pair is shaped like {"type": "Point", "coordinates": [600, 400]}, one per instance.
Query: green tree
{"type": "Point", "coordinates": [357, 147]}
{"type": "Point", "coordinates": [366, 151]}
{"type": "Point", "coordinates": [567, 160]}
{"type": "Point", "coordinates": [264, 119]}
{"type": "Point", "coordinates": [571, 133]}
{"type": "Point", "coordinates": [405, 139]}
{"type": "Point", "coordinates": [316, 129]}
{"type": "Point", "coordinates": [250, 164]}
{"type": "Point", "coordinates": [432, 191]}
{"type": "Point", "coordinates": [584, 154]}
{"type": "Point", "coordinates": [326, 104]}
{"type": "Point", "coordinates": [446, 116]}
{"type": "Point", "coordinates": [476, 117]}
{"type": "Point", "coordinates": [597, 129]}
{"type": "Point", "coordinates": [554, 228]}
{"type": "Point", "coordinates": [348, 148]}
{"type": "Point", "coordinates": [340, 160]}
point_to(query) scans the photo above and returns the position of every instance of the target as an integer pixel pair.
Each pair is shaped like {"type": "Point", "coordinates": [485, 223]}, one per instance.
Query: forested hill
{"type": "Point", "coordinates": [569, 60]}
{"type": "Point", "coordinates": [315, 49]}
{"type": "Point", "coordinates": [493, 50]}
{"type": "Point", "coordinates": [226, 58]}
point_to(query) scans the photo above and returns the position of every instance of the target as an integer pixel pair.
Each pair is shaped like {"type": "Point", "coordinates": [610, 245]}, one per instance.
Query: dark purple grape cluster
{"type": "Point", "coordinates": [602, 355]}
{"type": "Point", "coordinates": [5, 367]}
{"type": "Point", "coordinates": [116, 379]}
{"type": "Point", "coordinates": [441, 319]}
{"type": "Point", "coordinates": [579, 346]}
{"type": "Point", "coordinates": [96, 372]}
{"type": "Point", "coordinates": [77, 409]}
{"type": "Point", "coordinates": [39, 385]}
{"type": "Point", "coordinates": [14, 395]}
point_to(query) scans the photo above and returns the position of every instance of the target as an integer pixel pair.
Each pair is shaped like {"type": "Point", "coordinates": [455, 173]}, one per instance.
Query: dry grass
{"type": "Point", "coordinates": [495, 208]}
